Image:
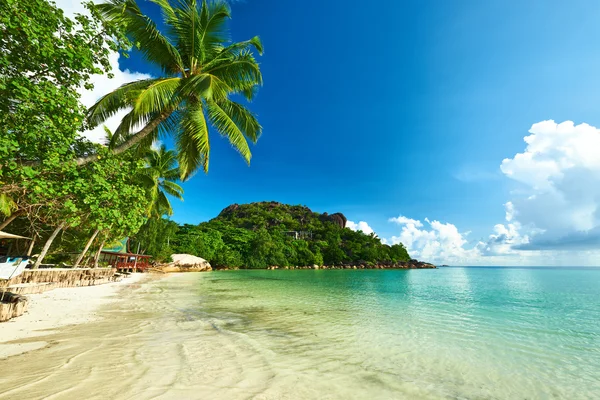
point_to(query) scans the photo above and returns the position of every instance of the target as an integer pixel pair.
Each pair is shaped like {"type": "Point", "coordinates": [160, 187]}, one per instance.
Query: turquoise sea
{"type": "Point", "coordinates": [450, 333]}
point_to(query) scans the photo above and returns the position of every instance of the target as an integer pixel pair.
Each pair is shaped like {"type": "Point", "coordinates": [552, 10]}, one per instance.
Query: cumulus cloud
{"type": "Point", "coordinates": [438, 242]}
{"type": "Point", "coordinates": [552, 218]}
{"type": "Point", "coordinates": [360, 226]}
{"type": "Point", "coordinates": [102, 84]}
{"type": "Point", "coordinates": [401, 220]}
{"type": "Point", "coordinates": [558, 200]}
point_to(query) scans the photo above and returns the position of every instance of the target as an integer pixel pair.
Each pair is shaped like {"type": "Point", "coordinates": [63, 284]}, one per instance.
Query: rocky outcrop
{"type": "Point", "coordinates": [338, 218]}
{"type": "Point", "coordinates": [229, 209]}
{"type": "Point", "coordinates": [301, 214]}
{"type": "Point", "coordinates": [412, 264]}
{"type": "Point", "coordinates": [186, 263]}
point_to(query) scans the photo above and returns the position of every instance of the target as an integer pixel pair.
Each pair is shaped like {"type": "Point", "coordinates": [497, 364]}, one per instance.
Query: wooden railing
{"type": "Point", "coordinates": [139, 266]}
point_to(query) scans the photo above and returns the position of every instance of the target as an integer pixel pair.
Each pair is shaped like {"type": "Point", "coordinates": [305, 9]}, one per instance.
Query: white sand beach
{"type": "Point", "coordinates": [57, 308]}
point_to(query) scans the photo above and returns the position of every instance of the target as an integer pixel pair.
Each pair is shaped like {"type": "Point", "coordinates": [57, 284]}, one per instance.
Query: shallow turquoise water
{"type": "Point", "coordinates": [451, 332]}
{"type": "Point", "coordinates": [458, 333]}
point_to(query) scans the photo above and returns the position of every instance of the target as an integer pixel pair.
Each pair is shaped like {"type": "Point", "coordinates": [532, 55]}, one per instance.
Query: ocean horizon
{"type": "Point", "coordinates": [457, 332]}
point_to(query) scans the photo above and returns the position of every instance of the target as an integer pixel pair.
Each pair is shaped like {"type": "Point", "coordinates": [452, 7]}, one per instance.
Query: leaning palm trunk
{"type": "Point", "coordinates": [47, 245]}
{"type": "Point", "coordinates": [10, 219]}
{"type": "Point", "coordinates": [86, 248]}
{"type": "Point", "coordinates": [97, 256]}
{"type": "Point", "coordinates": [132, 141]}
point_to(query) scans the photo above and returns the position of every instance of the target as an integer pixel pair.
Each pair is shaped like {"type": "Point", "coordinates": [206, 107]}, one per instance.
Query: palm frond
{"type": "Point", "coordinates": [108, 136]}
{"type": "Point", "coordinates": [233, 50]}
{"type": "Point", "coordinates": [241, 73]}
{"type": "Point", "coordinates": [158, 96]}
{"type": "Point", "coordinates": [172, 174]}
{"type": "Point", "coordinates": [172, 189]}
{"type": "Point", "coordinates": [243, 118]}
{"type": "Point", "coordinates": [166, 9]}
{"type": "Point", "coordinates": [163, 205]}
{"type": "Point", "coordinates": [155, 47]}
{"type": "Point", "coordinates": [226, 125]}
{"type": "Point", "coordinates": [115, 101]}
{"type": "Point", "coordinates": [213, 31]}
{"type": "Point", "coordinates": [193, 144]}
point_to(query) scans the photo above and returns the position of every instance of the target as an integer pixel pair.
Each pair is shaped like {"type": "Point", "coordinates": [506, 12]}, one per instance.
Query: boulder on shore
{"type": "Point", "coordinates": [186, 263]}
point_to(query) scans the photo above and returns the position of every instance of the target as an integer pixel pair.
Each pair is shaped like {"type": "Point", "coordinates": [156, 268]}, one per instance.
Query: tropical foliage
{"type": "Point", "coordinates": [201, 70]}
{"type": "Point", "coordinates": [160, 177]}
{"type": "Point", "coordinates": [45, 58]}
{"type": "Point", "coordinates": [259, 235]}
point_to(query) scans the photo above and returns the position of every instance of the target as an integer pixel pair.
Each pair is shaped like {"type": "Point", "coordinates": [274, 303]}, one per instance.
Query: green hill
{"type": "Point", "coordinates": [259, 235]}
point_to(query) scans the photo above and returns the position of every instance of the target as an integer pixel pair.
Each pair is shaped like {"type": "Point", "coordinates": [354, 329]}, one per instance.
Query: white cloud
{"type": "Point", "coordinates": [438, 243]}
{"type": "Point", "coordinates": [401, 220]}
{"type": "Point", "coordinates": [360, 226]}
{"type": "Point", "coordinates": [102, 84]}
{"type": "Point", "coordinates": [559, 195]}
{"type": "Point", "coordinates": [553, 218]}
{"type": "Point", "coordinates": [72, 7]}
{"type": "Point", "coordinates": [510, 211]}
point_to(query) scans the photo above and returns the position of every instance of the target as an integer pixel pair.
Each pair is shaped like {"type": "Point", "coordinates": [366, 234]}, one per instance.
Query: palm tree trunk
{"type": "Point", "coordinates": [86, 248]}
{"type": "Point", "coordinates": [132, 141]}
{"type": "Point", "coordinates": [10, 219]}
{"type": "Point", "coordinates": [30, 250]}
{"type": "Point", "coordinates": [97, 256]}
{"type": "Point", "coordinates": [47, 245]}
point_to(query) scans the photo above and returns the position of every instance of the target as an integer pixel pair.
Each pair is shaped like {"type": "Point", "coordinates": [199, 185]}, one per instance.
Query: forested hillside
{"type": "Point", "coordinates": [259, 235]}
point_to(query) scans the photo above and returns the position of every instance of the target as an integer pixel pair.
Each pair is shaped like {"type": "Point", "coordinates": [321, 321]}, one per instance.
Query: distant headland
{"type": "Point", "coordinates": [273, 235]}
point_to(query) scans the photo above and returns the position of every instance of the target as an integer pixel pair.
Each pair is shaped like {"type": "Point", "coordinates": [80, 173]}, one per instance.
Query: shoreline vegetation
{"type": "Point", "coordinates": [270, 234]}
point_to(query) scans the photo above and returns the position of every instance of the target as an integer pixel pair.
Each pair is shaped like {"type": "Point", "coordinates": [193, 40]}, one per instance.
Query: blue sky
{"type": "Point", "coordinates": [408, 108]}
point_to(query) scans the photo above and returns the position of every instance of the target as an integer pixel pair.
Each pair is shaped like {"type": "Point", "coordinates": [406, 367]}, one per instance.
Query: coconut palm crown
{"type": "Point", "coordinates": [159, 177]}
{"type": "Point", "coordinates": [201, 70]}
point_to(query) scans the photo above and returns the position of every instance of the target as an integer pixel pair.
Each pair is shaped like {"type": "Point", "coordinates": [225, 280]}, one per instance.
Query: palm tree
{"type": "Point", "coordinates": [159, 177]}
{"type": "Point", "coordinates": [201, 71]}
